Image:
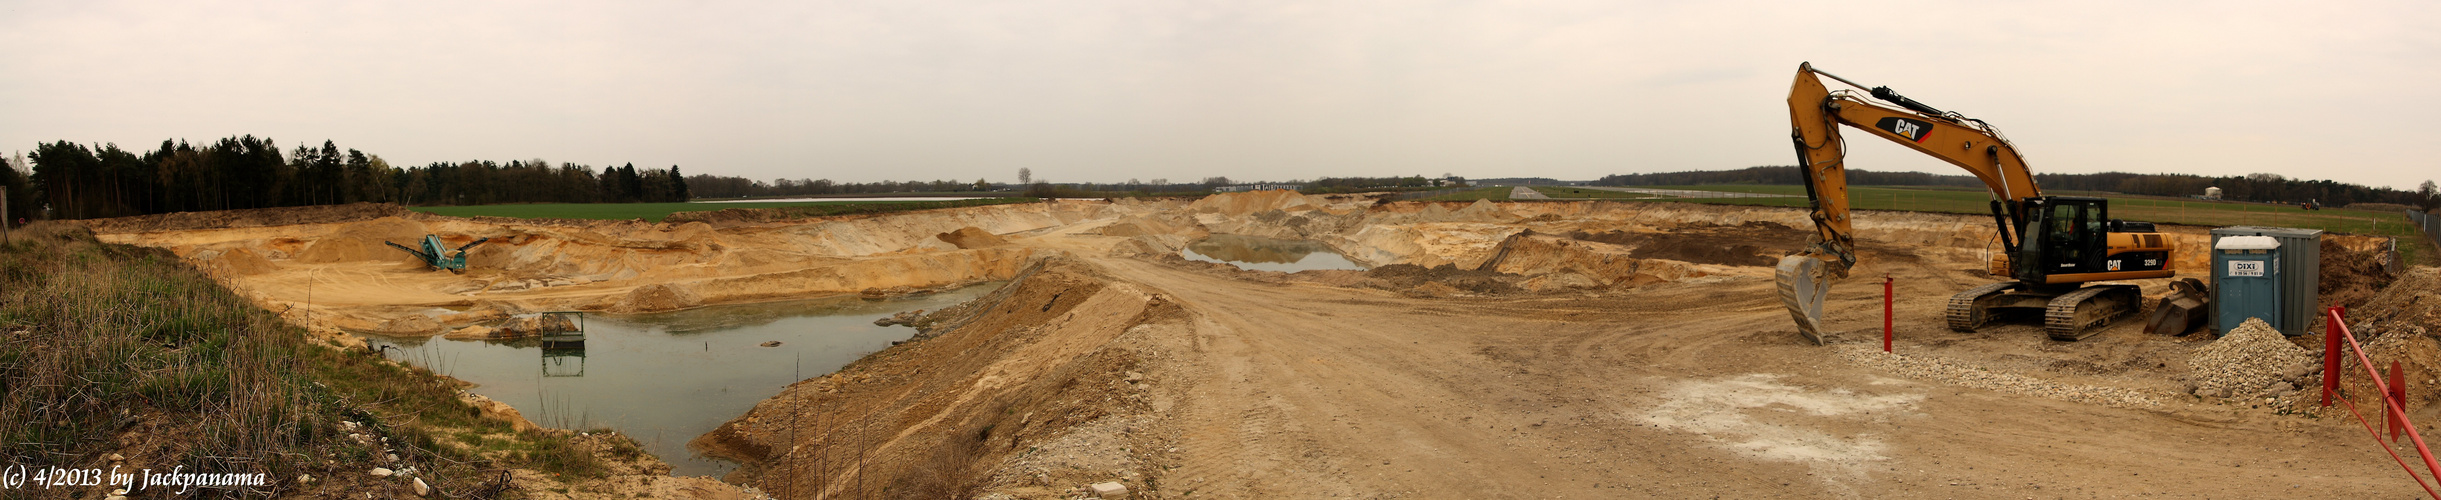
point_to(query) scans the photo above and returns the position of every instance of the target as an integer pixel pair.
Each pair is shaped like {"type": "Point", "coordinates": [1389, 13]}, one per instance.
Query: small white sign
{"type": "Point", "coordinates": [2246, 268]}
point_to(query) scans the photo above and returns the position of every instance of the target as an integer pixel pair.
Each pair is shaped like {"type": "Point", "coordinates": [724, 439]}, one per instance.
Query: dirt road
{"type": "Point", "coordinates": [1674, 391]}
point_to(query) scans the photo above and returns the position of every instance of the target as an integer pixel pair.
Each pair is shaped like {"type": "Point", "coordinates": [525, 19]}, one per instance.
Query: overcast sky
{"type": "Point", "coordinates": [1091, 90]}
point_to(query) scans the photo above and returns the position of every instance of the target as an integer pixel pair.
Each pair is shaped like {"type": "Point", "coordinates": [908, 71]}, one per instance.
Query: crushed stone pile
{"type": "Point", "coordinates": [2253, 359]}
{"type": "Point", "coordinates": [1923, 367]}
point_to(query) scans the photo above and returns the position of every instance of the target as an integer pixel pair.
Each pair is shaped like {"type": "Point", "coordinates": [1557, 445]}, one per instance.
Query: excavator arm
{"type": "Point", "coordinates": [1815, 113]}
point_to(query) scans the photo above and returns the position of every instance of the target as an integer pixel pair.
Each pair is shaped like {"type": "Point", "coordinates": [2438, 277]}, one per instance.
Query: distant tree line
{"type": "Point", "coordinates": [75, 181]}
{"type": "Point", "coordinates": [1356, 184]}
{"type": "Point", "coordinates": [716, 186]}
{"type": "Point", "coordinates": [2271, 188]}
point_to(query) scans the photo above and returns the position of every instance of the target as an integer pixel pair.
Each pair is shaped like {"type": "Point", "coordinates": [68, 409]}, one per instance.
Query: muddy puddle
{"type": "Point", "coordinates": [666, 378]}
{"type": "Point", "coordinates": [1267, 254]}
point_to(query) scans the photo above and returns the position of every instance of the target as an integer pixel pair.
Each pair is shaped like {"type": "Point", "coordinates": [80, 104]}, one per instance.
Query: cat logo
{"type": "Point", "coordinates": [2114, 264]}
{"type": "Point", "coordinates": [1913, 130]}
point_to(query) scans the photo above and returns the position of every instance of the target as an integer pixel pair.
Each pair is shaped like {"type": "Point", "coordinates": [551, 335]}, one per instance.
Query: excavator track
{"type": "Point", "coordinates": [2076, 315]}
{"type": "Point", "coordinates": [1967, 310]}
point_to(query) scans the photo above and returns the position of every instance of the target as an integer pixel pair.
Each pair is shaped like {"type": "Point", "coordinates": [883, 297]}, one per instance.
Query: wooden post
{"type": "Point", "coordinates": [4, 215]}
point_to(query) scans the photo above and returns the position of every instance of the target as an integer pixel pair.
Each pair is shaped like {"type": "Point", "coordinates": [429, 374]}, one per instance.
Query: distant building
{"type": "Point", "coordinates": [2212, 193]}
{"type": "Point", "coordinates": [1256, 187]}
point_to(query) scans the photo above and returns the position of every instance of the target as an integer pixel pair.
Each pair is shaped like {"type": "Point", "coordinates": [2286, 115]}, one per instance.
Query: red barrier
{"type": "Point", "coordinates": [2394, 399]}
{"type": "Point", "coordinates": [2330, 359]}
{"type": "Point", "coordinates": [2397, 397]}
{"type": "Point", "coordinates": [1886, 281]}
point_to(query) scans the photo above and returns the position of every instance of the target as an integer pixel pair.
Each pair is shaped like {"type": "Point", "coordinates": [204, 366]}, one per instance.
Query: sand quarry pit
{"type": "Point", "coordinates": [1491, 350]}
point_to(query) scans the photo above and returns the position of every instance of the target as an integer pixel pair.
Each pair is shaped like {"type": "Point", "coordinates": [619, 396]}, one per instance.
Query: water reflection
{"type": "Point", "coordinates": [1267, 254]}
{"type": "Point", "coordinates": [666, 378]}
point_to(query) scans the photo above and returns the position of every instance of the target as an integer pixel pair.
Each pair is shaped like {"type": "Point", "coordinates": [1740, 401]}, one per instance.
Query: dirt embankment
{"type": "Point", "coordinates": [1032, 389]}
{"type": "Point", "coordinates": [258, 217]}
{"type": "Point", "coordinates": [1754, 243]}
{"type": "Point", "coordinates": [2354, 269]}
{"type": "Point", "coordinates": [2399, 324]}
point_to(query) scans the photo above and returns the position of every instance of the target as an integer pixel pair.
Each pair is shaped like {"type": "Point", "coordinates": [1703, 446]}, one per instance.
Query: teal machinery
{"type": "Point", "coordinates": [434, 256]}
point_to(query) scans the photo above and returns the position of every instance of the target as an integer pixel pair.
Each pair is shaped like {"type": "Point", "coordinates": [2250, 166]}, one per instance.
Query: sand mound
{"type": "Point", "coordinates": [1254, 201]}
{"type": "Point", "coordinates": [2352, 270]}
{"type": "Point", "coordinates": [2412, 304]}
{"type": "Point", "coordinates": [2252, 360]}
{"type": "Point", "coordinates": [657, 297]}
{"type": "Point", "coordinates": [970, 237]}
{"type": "Point", "coordinates": [364, 241]}
{"type": "Point", "coordinates": [1021, 372]}
{"type": "Point", "coordinates": [243, 262]}
{"type": "Point", "coordinates": [1482, 211]}
{"type": "Point", "coordinates": [1606, 264]}
{"type": "Point", "coordinates": [1444, 280]}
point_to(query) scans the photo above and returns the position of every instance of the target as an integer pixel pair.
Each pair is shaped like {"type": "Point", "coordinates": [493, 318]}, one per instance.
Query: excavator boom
{"type": "Point", "coordinates": [1815, 113]}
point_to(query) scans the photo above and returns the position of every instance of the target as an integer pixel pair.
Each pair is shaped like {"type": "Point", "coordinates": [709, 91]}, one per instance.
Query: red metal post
{"type": "Point", "coordinates": [1886, 298]}
{"type": "Point", "coordinates": [2396, 398]}
{"type": "Point", "coordinates": [2330, 354]}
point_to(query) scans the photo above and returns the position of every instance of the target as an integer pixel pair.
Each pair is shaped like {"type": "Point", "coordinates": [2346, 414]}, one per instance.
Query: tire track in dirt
{"type": "Point", "coordinates": [1308, 391]}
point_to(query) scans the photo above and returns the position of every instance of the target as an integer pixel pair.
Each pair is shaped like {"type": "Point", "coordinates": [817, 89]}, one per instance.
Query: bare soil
{"type": "Point", "coordinates": [1641, 355]}
{"type": "Point", "coordinates": [1754, 243]}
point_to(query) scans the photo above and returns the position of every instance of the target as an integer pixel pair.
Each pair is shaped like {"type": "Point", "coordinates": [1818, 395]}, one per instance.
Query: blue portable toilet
{"type": "Point", "coordinates": [2246, 280]}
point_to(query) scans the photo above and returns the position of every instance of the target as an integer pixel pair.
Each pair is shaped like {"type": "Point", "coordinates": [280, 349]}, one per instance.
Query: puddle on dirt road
{"type": "Point", "coordinates": [668, 377]}
{"type": "Point", "coordinates": [1267, 254]}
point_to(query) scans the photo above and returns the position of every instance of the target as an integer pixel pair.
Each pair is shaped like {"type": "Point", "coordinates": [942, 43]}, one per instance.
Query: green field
{"type": "Point", "coordinates": [1565, 192]}
{"type": "Point", "coordinates": [1489, 193]}
{"type": "Point", "coordinates": [654, 212]}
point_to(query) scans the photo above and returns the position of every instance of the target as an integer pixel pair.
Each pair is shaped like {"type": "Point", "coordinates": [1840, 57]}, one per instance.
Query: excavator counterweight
{"type": "Point", "coordinates": [2055, 247]}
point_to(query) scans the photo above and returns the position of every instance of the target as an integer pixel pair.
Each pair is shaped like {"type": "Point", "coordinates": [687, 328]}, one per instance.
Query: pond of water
{"type": "Point", "coordinates": [1267, 254]}
{"type": "Point", "coordinates": [666, 378]}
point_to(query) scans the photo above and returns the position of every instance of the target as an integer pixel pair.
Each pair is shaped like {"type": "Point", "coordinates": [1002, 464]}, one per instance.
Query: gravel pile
{"type": "Point", "coordinates": [2253, 359]}
{"type": "Point", "coordinates": [1936, 368]}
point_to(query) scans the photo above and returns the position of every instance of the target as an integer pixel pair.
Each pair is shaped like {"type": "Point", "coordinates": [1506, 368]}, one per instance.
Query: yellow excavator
{"type": "Point", "coordinates": [2054, 247]}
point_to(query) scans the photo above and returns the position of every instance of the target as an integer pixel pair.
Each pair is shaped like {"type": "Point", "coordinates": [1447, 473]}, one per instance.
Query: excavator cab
{"type": "Point", "coordinates": [2068, 237]}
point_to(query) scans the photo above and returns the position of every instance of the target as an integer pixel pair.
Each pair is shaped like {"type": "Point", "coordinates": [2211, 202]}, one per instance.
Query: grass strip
{"type": "Point", "coordinates": [116, 349]}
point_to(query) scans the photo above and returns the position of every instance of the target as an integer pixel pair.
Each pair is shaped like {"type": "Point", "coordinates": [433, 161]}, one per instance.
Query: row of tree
{"type": "Point", "coordinates": [717, 186]}
{"type": "Point", "coordinates": [75, 181]}
{"type": "Point", "coordinates": [1354, 184]}
{"type": "Point", "coordinates": [2270, 188]}
{"type": "Point", "coordinates": [1783, 175]}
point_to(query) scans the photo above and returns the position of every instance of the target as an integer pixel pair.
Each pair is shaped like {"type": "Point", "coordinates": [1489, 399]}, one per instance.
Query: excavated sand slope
{"type": "Point", "coordinates": [336, 270]}
{"type": "Point", "coordinates": [350, 280]}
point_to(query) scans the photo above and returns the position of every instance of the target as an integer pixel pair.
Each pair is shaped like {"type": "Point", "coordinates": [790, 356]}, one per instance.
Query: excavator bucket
{"type": "Point", "coordinates": [1803, 284]}
{"type": "Point", "coordinates": [2183, 309]}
